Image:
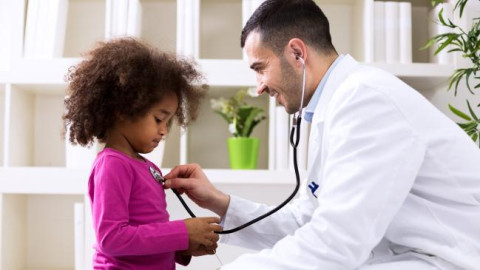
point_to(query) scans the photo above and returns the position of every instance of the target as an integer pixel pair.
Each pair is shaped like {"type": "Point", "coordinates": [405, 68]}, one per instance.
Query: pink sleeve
{"type": "Point", "coordinates": [115, 236]}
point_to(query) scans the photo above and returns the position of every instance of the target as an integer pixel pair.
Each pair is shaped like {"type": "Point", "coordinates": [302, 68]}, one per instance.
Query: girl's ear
{"type": "Point", "coordinates": [120, 117]}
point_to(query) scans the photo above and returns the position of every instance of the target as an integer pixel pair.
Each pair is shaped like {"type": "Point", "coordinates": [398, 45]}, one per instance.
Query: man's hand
{"type": "Point", "coordinates": [201, 234]}
{"type": "Point", "coordinates": [191, 180]}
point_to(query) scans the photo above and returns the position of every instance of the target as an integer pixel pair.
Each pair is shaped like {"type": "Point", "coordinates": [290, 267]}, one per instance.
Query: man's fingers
{"type": "Point", "coordinates": [178, 183]}
{"type": "Point", "coordinates": [175, 172]}
{"type": "Point", "coordinates": [182, 171]}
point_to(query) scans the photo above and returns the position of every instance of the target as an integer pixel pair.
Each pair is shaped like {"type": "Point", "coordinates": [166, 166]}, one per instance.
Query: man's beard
{"type": "Point", "coordinates": [292, 86]}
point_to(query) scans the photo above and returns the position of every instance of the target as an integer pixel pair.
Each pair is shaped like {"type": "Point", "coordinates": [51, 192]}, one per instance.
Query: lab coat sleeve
{"type": "Point", "coordinates": [370, 159]}
{"type": "Point", "coordinates": [265, 233]}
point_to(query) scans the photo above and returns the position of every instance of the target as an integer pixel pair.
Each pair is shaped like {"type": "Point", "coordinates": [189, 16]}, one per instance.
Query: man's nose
{"type": "Point", "coordinates": [261, 87]}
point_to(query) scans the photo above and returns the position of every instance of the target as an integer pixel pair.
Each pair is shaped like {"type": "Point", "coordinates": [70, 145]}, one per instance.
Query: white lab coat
{"type": "Point", "coordinates": [396, 179]}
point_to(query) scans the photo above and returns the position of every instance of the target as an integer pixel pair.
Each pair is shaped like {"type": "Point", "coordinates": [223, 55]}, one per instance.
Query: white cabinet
{"type": "Point", "coordinates": [38, 190]}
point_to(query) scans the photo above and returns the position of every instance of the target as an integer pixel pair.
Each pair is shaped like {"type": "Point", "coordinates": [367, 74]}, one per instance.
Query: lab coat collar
{"type": "Point", "coordinates": [310, 109]}
{"type": "Point", "coordinates": [344, 68]}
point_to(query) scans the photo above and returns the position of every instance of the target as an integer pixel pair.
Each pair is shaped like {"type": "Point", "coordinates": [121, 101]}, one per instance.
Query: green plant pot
{"type": "Point", "coordinates": [243, 152]}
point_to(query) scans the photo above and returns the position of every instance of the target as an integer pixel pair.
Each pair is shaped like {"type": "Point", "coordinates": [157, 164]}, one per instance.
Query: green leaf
{"type": "Point", "coordinates": [250, 121]}
{"type": "Point", "coordinates": [449, 40]}
{"type": "Point", "coordinates": [467, 79]}
{"type": "Point", "coordinates": [471, 132]}
{"type": "Point", "coordinates": [440, 17]}
{"type": "Point", "coordinates": [471, 112]}
{"type": "Point", "coordinates": [435, 2]}
{"type": "Point", "coordinates": [464, 126]}
{"type": "Point", "coordinates": [459, 113]}
{"type": "Point", "coordinates": [475, 137]}
{"type": "Point", "coordinates": [471, 126]}
{"type": "Point", "coordinates": [461, 4]}
{"type": "Point", "coordinates": [224, 116]}
{"type": "Point", "coordinates": [429, 44]}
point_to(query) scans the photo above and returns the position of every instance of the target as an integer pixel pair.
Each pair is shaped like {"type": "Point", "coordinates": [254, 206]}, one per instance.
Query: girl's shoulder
{"type": "Point", "coordinates": [112, 157]}
{"type": "Point", "coordinates": [108, 153]}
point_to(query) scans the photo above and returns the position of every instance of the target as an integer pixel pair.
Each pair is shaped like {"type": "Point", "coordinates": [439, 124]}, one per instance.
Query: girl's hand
{"type": "Point", "coordinates": [201, 234]}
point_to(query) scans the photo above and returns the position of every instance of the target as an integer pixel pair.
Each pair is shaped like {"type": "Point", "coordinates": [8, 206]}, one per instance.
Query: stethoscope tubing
{"type": "Point", "coordinates": [294, 141]}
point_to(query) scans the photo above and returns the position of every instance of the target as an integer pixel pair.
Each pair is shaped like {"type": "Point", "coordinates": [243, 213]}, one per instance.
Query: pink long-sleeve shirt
{"type": "Point", "coordinates": [130, 216]}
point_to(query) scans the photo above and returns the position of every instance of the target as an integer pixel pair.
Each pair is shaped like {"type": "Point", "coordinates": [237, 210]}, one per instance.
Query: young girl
{"type": "Point", "coordinates": [126, 94]}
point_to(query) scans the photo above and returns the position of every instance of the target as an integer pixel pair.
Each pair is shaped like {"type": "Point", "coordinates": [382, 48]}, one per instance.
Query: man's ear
{"type": "Point", "coordinates": [296, 48]}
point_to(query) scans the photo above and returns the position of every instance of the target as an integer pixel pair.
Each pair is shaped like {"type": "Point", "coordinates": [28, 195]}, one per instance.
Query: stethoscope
{"type": "Point", "coordinates": [294, 141]}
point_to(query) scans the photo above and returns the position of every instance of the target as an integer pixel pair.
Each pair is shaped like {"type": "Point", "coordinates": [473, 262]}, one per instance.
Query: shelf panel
{"type": "Point", "coordinates": [33, 126]}
{"type": "Point", "coordinates": [216, 142]}
{"type": "Point", "coordinates": [227, 72]}
{"type": "Point", "coordinates": [41, 71]}
{"type": "Point", "coordinates": [159, 13]}
{"type": "Point", "coordinates": [43, 180]}
{"type": "Point", "coordinates": [421, 76]}
{"type": "Point", "coordinates": [85, 25]}
{"type": "Point", "coordinates": [230, 73]}
{"type": "Point", "coordinates": [220, 26]}
{"type": "Point", "coordinates": [59, 180]}
{"type": "Point", "coordinates": [2, 122]}
{"type": "Point", "coordinates": [4, 75]}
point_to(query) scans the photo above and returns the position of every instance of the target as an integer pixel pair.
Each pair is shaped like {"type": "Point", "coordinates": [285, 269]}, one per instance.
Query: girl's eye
{"type": "Point", "coordinates": [158, 120]}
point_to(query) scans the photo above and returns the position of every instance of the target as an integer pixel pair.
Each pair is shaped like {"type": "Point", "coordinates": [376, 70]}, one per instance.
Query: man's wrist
{"type": "Point", "coordinates": [221, 204]}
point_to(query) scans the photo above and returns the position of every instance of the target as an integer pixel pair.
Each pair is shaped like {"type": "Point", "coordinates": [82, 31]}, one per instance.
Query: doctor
{"type": "Point", "coordinates": [392, 183]}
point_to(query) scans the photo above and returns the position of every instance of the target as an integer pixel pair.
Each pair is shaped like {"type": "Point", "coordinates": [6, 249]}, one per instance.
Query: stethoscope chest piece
{"type": "Point", "coordinates": [157, 176]}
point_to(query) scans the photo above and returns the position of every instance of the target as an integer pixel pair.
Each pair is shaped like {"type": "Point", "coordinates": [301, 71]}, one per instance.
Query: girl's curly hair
{"type": "Point", "coordinates": [125, 77]}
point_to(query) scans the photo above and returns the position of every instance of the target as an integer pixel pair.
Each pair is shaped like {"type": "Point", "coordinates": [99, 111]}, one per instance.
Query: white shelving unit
{"type": "Point", "coordinates": [37, 189]}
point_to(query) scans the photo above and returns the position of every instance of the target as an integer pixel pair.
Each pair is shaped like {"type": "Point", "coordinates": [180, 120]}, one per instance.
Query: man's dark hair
{"type": "Point", "coordinates": [278, 21]}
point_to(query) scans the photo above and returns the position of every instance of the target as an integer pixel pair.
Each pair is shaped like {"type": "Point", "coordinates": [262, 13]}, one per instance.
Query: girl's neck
{"type": "Point", "coordinates": [127, 151]}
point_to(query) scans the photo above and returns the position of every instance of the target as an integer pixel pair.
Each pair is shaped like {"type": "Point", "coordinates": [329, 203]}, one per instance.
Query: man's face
{"type": "Point", "coordinates": [275, 75]}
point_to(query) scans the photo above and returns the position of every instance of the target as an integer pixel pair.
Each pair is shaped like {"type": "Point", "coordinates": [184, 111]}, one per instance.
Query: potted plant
{"type": "Point", "coordinates": [467, 42]}
{"type": "Point", "coordinates": [241, 118]}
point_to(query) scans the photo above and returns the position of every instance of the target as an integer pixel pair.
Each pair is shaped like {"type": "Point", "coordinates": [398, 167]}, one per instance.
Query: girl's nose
{"type": "Point", "coordinates": [163, 130]}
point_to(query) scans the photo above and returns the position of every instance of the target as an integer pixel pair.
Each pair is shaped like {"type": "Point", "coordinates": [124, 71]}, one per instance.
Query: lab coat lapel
{"type": "Point", "coordinates": [343, 69]}
{"type": "Point", "coordinates": [317, 148]}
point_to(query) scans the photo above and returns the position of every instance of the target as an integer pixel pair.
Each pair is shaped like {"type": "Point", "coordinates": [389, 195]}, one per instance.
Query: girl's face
{"type": "Point", "coordinates": [144, 133]}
